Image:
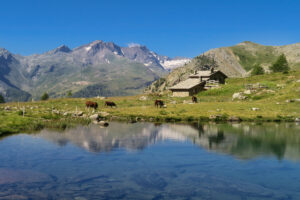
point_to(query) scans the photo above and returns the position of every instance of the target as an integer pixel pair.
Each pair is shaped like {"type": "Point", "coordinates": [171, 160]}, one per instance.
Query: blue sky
{"type": "Point", "coordinates": [168, 27]}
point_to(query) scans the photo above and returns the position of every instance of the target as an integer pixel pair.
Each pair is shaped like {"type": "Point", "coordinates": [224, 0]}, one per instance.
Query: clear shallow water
{"type": "Point", "coordinates": [148, 161]}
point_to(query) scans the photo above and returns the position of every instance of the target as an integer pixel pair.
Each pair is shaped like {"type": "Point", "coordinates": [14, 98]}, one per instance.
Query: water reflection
{"type": "Point", "coordinates": [244, 141]}
{"type": "Point", "coordinates": [59, 165]}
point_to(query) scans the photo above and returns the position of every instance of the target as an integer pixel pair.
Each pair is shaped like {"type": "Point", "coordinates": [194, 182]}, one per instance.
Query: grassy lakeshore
{"type": "Point", "coordinates": [273, 97]}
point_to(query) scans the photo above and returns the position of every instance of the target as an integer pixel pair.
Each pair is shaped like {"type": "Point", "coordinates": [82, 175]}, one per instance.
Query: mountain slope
{"type": "Point", "coordinates": [95, 69]}
{"type": "Point", "coordinates": [11, 78]}
{"type": "Point", "coordinates": [234, 61]}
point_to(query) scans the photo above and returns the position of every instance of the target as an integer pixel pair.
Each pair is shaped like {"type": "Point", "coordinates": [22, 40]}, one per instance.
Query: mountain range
{"type": "Point", "coordinates": [234, 61]}
{"type": "Point", "coordinates": [95, 69]}
{"type": "Point", "coordinates": [106, 69]}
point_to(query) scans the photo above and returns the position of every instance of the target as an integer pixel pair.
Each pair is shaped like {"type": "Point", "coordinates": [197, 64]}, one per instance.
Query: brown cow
{"type": "Point", "coordinates": [110, 103]}
{"type": "Point", "coordinates": [159, 103]}
{"type": "Point", "coordinates": [194, 99]}
{"type": "Point", "coordinates": [91, 104]}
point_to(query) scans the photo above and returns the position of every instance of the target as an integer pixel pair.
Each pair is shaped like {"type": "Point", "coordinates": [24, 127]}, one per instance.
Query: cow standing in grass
{"type": "Point", "coordinates": [110, 103]}
{"type": "Point", "coordinates": [194, 99]}
{"type": "Point", "coordinates": [159, 103]}
{"type": "Point", "coordinates": [91, 104]}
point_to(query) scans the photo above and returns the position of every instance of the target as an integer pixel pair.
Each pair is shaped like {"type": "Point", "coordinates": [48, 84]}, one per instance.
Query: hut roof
{"type": "Point", "coordinates": [204, 73]}
{"type": "Point", "coordinates": [194, 80]}
{"type": "Point", "coordinates": [187, 84]}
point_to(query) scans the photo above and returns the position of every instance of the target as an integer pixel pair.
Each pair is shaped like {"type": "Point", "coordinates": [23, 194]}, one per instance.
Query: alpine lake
{"type": "Point", "coordinates": [242, 161]}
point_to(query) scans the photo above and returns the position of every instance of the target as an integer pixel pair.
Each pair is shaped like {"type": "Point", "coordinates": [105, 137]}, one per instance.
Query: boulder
{"type": "Point", "coordinates": [103, 114]}
{"type": "Point", "coordinates": [143, 98]}
{"type": "Point", "coordinates": [269, 91]}
{"type": "Point", "coordinates": [215, 117]}
{"type": "Point", "coordinates": [289, 100]}
{"type": "Point", "coordinates": [247, 92]}
{"type": "Point", "coordinates": [212, 117]}
{"type": "Point", "coordinates": [297, 119]}
{"type": "Point", "coordinates": [187, 101]}
{"type": "Point", "coordinates": [7, 108]}
{"type": "Point", "coordinates": [238, 95]}
{"type": "Point", "coordinates": [56, 112]}
{"type": "Point", "coordinates": [95, 117]}
{"type": "Point", "coordinates": [280, 85]}
{"type": "Point", "coordinates": [95, 121]}
{"type": "Point", "coordinates": [234, 119]}
{"type": "Point", "coordinates": [66, 114]}
{"type": "Point", "coordinates": [103, 123]}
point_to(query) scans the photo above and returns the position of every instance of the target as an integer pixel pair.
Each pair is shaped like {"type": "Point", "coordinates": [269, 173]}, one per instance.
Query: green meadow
{"type": "Point", "coordinates": [269, 97]}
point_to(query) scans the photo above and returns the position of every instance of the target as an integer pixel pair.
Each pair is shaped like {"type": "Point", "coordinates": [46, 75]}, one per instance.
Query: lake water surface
{"type": "Point", "coordinates": [154, 161]}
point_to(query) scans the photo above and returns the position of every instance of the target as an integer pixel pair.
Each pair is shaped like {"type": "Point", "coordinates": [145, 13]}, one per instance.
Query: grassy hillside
{"type": "Point", "coordinates": [234, 61]}
{"type": "Point", "coordinates": [250, 53]}
{"type": "Point", "coordinates": [276, 100]}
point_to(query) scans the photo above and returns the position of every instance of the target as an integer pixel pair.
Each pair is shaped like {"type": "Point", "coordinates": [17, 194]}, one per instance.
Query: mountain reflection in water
{"type": "Point", "coordinates": [244, 141]}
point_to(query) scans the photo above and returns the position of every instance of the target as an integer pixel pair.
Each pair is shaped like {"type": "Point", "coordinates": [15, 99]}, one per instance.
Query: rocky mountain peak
{"type": "Point", "coordinates": [4, 53]}
{"type": "Point", "coordinates": [62, 48]}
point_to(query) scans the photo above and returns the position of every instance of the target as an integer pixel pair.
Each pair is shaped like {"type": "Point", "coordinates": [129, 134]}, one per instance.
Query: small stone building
{"type": "Point", "coordinates": [198, 82]}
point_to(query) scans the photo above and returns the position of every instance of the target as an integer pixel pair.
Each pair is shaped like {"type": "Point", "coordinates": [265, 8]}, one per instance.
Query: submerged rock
{"type": "Point", "coordinates": [10, 176]}
{"type": "Point", "coordinates": [152, 180]}
{"type": "Point", "coordinates": [234, 119]}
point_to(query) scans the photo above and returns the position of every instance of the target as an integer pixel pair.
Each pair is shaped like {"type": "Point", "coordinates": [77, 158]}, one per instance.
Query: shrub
{"type": "Point", "coordinates": [257, 70]}
{"type": "Point", "coordinates": [20, 112]}
{"type": "Point", "coordinates": [281, 64]}
{"type": "Point", "coordinates": [163, 112]}
{"type": "Point", "coordinates": [2, 99]}
{"type": "Point", "coordinates": [69, 93]}
{"type": "Point", "coordinates": [45, 96]}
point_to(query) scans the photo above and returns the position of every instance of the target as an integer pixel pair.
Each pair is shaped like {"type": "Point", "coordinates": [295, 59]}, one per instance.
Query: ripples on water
{"type": "Point", "coordinates": [152, 161]}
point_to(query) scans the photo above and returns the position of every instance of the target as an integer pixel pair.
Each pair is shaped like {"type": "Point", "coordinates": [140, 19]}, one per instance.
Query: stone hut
{"type": "Point", "coordinates": [199, 81]}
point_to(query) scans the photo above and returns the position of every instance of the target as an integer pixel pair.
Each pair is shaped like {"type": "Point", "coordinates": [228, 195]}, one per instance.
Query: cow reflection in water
{"type": "Point", "coordinates": [244, 141]}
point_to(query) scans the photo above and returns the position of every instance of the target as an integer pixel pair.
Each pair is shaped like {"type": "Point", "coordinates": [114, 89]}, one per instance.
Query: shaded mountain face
{"type": "Point", "coordinates": [234, 61]}
{"type": "Point", "coordinates": [95, 69]}
{"type": "Point", "coordinates": [11, 78]}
